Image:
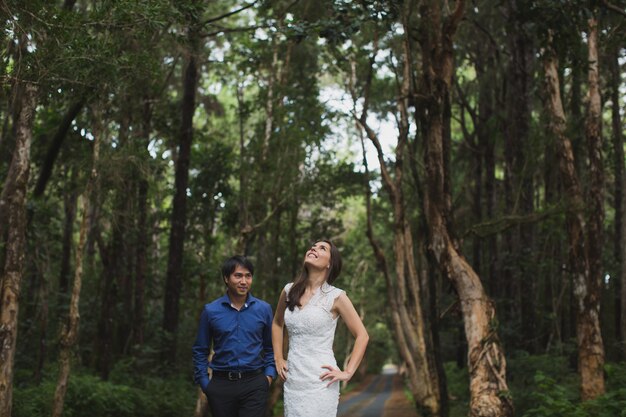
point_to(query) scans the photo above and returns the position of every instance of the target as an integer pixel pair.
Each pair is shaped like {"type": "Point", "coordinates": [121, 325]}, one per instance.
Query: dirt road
{"type": "Point", "coordinates": [382, 396]}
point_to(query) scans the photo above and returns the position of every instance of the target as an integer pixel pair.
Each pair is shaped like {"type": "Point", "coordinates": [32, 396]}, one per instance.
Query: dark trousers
{"type": "Point", "coordinates": [246, 397]}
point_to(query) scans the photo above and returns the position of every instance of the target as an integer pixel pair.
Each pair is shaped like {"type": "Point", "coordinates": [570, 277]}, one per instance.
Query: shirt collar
{"type": "Point", "coordinates": [225, 300]}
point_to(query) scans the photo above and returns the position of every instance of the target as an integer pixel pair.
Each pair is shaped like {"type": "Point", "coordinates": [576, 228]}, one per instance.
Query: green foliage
{"type": "Point", "coordinates": [88, 395]}
{"type": "Point", "coordinates": [545, 386]}
{"type": "Point", "coordinates": [522, 370]}
{"type": "Point", "coordinates": [551, 399]}
{"type": "Point", "coordinates": [124, 58]}
{"type": "Point", "coordinates": [458, 391]}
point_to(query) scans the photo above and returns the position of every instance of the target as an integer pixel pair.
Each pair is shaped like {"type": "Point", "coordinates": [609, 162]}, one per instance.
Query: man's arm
{"type": "Point", "coordinates": [268, 350]}
{"type": "Point", "coordinates": [201, 349]}
{"type": "Point", "coordinates": [278, 325]}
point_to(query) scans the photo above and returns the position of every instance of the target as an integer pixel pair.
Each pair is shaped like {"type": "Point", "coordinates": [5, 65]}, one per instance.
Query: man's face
{"type": "Point", "coordinates": [239, 282]}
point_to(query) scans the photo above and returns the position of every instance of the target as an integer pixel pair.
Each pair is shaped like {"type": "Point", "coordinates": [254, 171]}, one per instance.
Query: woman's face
{"type": "Point", "coordinates": [318, 255]}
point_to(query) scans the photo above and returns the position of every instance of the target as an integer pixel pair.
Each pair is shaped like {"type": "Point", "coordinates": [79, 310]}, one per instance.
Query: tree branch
{"type": "Point", "coordinates": [229, 14]}
{"type": "Point", "coordinates": [500, 224]}
{"type": "Point", "coordinates": [614, 8]}
{"type": "Point", "coordinates": [234, 30]}
{"type": "Point", "coordinates": [456, 16]}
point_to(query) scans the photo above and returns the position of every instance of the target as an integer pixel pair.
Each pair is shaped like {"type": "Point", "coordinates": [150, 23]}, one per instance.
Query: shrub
{"type": "Point", "coordinates": [552, 400]}
{"type": "Point", "coordinates": [88, 395]}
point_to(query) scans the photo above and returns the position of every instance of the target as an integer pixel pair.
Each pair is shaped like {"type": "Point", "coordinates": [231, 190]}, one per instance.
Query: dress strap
{"type": "Point", "coordinates": [287, 288]}
{"type": "Point", "coordinates": [330, 294]}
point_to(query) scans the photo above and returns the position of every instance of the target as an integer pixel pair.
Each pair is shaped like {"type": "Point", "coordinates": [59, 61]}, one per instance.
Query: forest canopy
{"type": "Point", "coordinates": [467, 158]}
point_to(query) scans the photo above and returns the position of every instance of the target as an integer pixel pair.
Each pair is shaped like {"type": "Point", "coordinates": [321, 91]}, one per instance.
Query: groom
{"type": "Point", "coordinates": [239, 326]}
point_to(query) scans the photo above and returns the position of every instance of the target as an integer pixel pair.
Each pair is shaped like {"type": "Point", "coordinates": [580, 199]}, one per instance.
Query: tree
{"type": "Point", "coordinates": [583, 237]}
{"type": "Point", "coordinates": [486, 360]}
{"type": "Point", "coordinates": [619, 248]}
{"type": "Point", "coordinates": [69, 332]}
{"type": "Point", "coordinates": [405, 292]}
{"type": "Point", "coordinates": [519, 196]}
{"type": "Point", "coordinates": [174, 278]}
{"type": "Point", "coordinates": [590, 343]}
{"type": "Point", "coordinates": [13, 206]}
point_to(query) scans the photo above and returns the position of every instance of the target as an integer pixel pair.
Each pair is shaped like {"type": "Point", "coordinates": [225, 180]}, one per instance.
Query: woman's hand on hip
{"type": "Point", "coordinates": [334, 374]}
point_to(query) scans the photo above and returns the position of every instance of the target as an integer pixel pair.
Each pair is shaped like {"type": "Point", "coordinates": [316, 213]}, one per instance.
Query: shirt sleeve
{"type": "Point", "coordinates": [201, 350]}
{"type": "Point", "coordinates": [268, 350]}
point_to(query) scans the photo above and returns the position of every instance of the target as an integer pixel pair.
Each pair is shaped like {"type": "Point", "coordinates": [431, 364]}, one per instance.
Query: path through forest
{"type": "Point", "coordinates": [380, 396]}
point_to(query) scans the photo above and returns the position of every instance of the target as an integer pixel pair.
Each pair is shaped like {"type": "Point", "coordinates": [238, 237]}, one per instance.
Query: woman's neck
{"type": "Point", "coordinates": [316, 279]}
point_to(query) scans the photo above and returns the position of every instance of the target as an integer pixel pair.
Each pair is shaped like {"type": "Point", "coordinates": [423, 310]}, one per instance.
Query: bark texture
{"type": "Point", "coordinates": [403, 285]}
{"type": "Point", "coordinates": [13, 203]}
{"type": "Point", "coordinates": [619, 250]}
{"type": "Point", "coordinates": [486, 361]}
{"type": "Point", "coordinates": [69, 333]}
{"type": "Point", "coordinates": [520, 178]}
{"type": "Point", "coordinates": [141, 264]}
{"type": "Point", "coordinates": [410, 339]}
{"type": "Point", "coordinates": [590, 343]}
{"type": "Point", "coordinates": [174, 278]}
{"type": "Point", "coordinates": [586, 288]}
{"type": "Point", "coordinates": [69, 204]}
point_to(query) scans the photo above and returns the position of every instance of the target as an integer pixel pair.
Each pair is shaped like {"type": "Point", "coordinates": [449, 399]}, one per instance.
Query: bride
{"type": "Point", "coordinates": [309, 307]}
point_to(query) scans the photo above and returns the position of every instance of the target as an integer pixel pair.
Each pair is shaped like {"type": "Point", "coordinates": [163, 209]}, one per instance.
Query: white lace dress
{"type": "Point", "coordinates": [311, 331]}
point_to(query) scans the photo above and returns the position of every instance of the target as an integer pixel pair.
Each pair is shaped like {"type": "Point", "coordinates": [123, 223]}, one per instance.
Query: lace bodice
{"type": "Point", "coordinates": [311, 331]}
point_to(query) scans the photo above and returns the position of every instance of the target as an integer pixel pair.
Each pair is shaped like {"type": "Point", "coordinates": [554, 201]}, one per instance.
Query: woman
{"type": "Point", "coordinates": [309, 308]}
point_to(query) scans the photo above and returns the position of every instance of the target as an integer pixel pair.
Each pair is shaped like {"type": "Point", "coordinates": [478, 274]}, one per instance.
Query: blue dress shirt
{"type": "Point", "coordinates": [242, 340]}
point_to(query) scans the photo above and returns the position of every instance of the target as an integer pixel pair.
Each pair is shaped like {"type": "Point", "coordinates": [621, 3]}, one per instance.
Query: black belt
{"type": "Point", "coordinates": [236, 375]}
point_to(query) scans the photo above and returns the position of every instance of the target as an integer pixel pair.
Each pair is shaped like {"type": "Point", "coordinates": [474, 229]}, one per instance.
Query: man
{"type": "Point", "coordinates": [240, 328]}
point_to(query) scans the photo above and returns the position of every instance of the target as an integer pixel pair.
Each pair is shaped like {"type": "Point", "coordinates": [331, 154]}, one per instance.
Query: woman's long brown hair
{"type": "Point", "coordinates": [299, 284]}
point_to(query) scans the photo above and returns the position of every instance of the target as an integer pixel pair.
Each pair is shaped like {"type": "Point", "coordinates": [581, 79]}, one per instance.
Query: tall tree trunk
{"type": "Point", "coordinates": [430, 278]}
{"type": "Point", "coordinates": [405, 335]}
{"type": "Point", "coordinates": [519, 191]}
{"type": "Point", "coordinates": [13, 202]}
{"type": "Point", "coordinates": [559, 279]}
{"type": "Point", "coordinates": [477, 210]}
{"type": "Point", "coordinates": [103, 342]}
{"type": "Point", "coordinates": [591, 357]}
{"type": "Point", "coordinates": [69, 333]}
{"type": "Point", "coordinates": [141, 264]}
{"type": "Point", "coordinates": [174, 279]}
{"type": "Point", "coordinates": [577, 118]}
{"type": "Point", "coordinates": [141, 254]}
{"type": "Point", "coordinates": [245, 228]}
{"type": "Point", "coordinates": [485, 159]}
{"type": "Point", "coordinates": [405, 292]}
{"type": "Point", "coordinates": [114, 326]}
{"type": "Point", "coordinates": [487, 364]}
{"type": "Point", "coordinates": [619, 248]}
{"type": "Point", "coordinates": [17, 50]}
{"type": "Point", "coordinates": [55, 147]}
{"type": "Point", "coordinates": [6, 153]}
{"type": "Point", "coordinates": [590, 345]}
{"type": "Point", "coordinates": [124, 317]}
{"type": "Point", "coordinates": [42, 320]}
{"type": "Point", "coordinates": [490, 202]}
{"type": "Point", "coordinates": [69, 203]}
